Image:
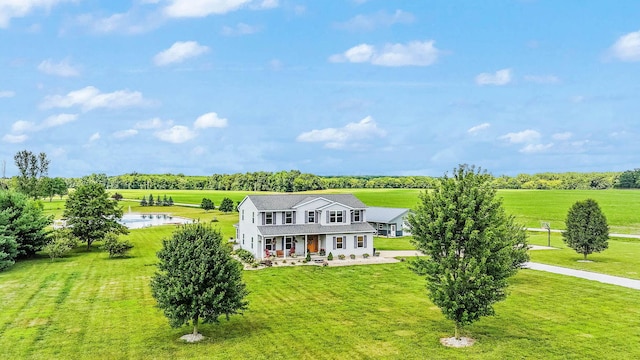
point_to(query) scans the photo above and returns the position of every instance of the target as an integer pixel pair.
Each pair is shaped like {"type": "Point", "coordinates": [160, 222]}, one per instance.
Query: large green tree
{"type": "Point", "coordinates": [472, 246]}
{"type": "Point", "coordinates": [23, 220]}
{"type": "Point", "coordinates": [91, 214]}
{"type": "Point", "coordinates": [198, 280]}
{"type": "Point", "coordinates": [8, 249]}
{"type": "Point", "coordinates": [587, 230]}
{"type": "Point", "coordinates": [226, 205]}
{"type": "Point", "coordinates": [31, 168]}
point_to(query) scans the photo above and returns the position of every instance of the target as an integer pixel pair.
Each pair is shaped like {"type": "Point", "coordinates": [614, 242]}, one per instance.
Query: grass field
{"type": "Point", "coordinates": [88, 306]}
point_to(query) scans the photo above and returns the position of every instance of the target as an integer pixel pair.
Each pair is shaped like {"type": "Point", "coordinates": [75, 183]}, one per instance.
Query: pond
{"type": "Point", "coordinates": [139, 221]}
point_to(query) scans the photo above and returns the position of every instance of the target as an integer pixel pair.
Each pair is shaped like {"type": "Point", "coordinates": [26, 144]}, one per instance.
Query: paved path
{"type": "Point", "coordinates": [607, 279]}
{"type": "Point", "coordinates": [628, 236]}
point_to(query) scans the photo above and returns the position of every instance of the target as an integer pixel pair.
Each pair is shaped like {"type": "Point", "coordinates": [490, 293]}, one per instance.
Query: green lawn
{"type": "Point", "coordinates": [89, 306]}
{"type": "Point", "coordinates": [398, 243]}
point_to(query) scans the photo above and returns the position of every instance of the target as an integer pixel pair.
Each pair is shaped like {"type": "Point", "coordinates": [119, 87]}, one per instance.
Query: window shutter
{"type": "Point", "coordinates": [335, 243]}
{"type": "Point", "coordinates": [344, 216]}
{"type": "Point", "coordinates": [365, 241]}
{"type": "Point", "coordinates": [294, 218]}
{"type": "Point", "coordinates": [306, 217]}
{"type": "Point", "coordinates": [264, 215]}
{"type": "Point", "coordinates": [355, 241]}
{"type": "Point", "coordinates": [328, 217]}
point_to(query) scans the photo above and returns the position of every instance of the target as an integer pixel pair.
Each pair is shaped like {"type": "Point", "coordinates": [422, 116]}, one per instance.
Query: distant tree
{"type": "Point", "coordinates": [8, 249]}
{"type": "Point", "coordinates": [60, 187]}
{"type": "Point", "coordinates": [226, 205]}
{"type": "Point", "coordinates": [143, 202]}
{"type": "Point", "coordinates": [587, 230]}
{"type": "Point", "coordinates": [207, 204]}
{"type": "Point", "coordinates": [23, 220]}
{"type": "Point", "coordinates": [472, 246]}
{"type": "Point", "coordinates": [115, 247]}
{"type": "Point", "coordinates": [117, 196]}
{"type": "Point", "coordinates": [91, 214]}
{"type": "Point", "coordinates": [165, 201]}
{"type": "Point", "coordinates": [198, 280]}
{"type": "Point", "coordinates": [47, 188]}
{"type": "Point", "coordinates": [31, 168]}
{"type": "Point", "coordinates": [151, 202]}
{"type": "Point", "coordinates": [170, 201]}
{"type": "Point", "coordinates": [60, 243]}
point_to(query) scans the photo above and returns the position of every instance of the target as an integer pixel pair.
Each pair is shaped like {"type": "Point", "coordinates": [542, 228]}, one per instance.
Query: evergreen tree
{"type": "Point", "coordinates": [23, 220]}
{"type": "Point", "coordinates": [198, 280]}
{"type": "Point", "coordinates": [472, 246]}
{"type": "Point", "coordinates": [91, 214]}
{"type": "Point", "coordinates": [151, 202]}
{"type": "Point", "coordinates": [170, 201]}
{"type": "Point", "coordinates": [587, 230]}
{"type": "Point", "coordinates": [143, 202]}
{"type": "Point", "coordinates": [165, 202]}
{"type": "Point", "coordinates": [8, 249]}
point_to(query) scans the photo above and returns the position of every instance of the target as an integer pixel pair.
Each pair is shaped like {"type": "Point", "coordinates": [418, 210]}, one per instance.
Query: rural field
{"type": "Point", "coordinates": [89, 306]}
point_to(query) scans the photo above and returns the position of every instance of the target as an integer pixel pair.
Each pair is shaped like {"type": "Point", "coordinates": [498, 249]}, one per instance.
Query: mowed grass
{"type": "Point", "coordinates": [88, 306]}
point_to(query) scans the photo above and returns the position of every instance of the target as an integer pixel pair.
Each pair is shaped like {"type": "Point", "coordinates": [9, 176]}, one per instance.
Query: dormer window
{"type": "Point", "coordinates": [356, 216]}
{"type": "Point", "coordinates": [336, 216]}
{"type": "Point", "coordinates": [311, 217]}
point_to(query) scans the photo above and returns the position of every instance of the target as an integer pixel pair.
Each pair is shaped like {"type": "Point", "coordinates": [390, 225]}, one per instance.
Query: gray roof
{"type": "Point", "coordinates": [314, 229]}
{"type": "Point", "coordinates": [288, 201]}
{"type": "Point", "coordinates": [384, 215]}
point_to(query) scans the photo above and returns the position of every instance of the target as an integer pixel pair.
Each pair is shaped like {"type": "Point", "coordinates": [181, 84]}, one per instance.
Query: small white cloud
{"type": "Point", "coordinates": [90, 98]}
{"type": "Point", "coordinates": [210, 120]}
{"type": "Point", "coordinates": [562, 136]}
{"type": "Point", "coordinates": [240, 29]}
{"type": "Point", "coordinates": [500, 77]}
{"type": "Point", "coordinates": [125, 133]}
{"type": "Point", "coordinates": [176, 134]}
{"type": "Point", "coordinates": [179, 52]}
{"type": "Point", "coordinates": [20, 8]}
{"type": "Point", "coordinates": [22, 126]}
{"type": "Point", "coordinates": [7, 94]}
{"type": "Point", "coordinates": [627, 47]}
{"type": "Point", "coordinates": [415, 53]}
{"type": "Point", "coordinates": [94, 137]}
{"type": "Point", "coordinates": [57, 120]}
{"type": "Point", "coordinates": [542, 79]}
{"type": "Point", "coordinates": [526, 136]}
{"type": "Point", "coordinates": [199, 150]}
{"type": "Point", "coordinates": [535, 148]}
{"type": "Point", "coordinates": [155, 123]}
{"type": "Point", "coordinates": [350, 134]}
{"type": "Point", "coordinates": [14, 139]}
{"type": "Point", "coordinates": [478, 128]}
{"type": "Point", "coordinates": [62, 68]}
{"type": "Point", "coordinates": [373, 21]}
{"type": "Point", "coordinates": [202, 8]}
{"type": "Point", "coordinates": [265, 4]}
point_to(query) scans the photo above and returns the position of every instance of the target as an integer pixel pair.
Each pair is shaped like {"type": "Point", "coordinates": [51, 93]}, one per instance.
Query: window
{"type": "Point", "coordinates": [359, 241]}
{"type": "Point", "coordinates": [356, 216]}
{"type": "Point", "coordinates": [380, 226]}
{"type": "Point", "coordinates": [269, 244]}
{"type": "Point", "coordinates": [288, 217]}
{"type": "Point", "coordinates": [339, 242]}
{"type": "Point", "coordinates": [311, 217]}
{"type": "Point", "coordinates": [268, 218]}
{"type": "Point", "coordinates": [288, 243]}
{"type": "Point", "coordinates": [335, 216]}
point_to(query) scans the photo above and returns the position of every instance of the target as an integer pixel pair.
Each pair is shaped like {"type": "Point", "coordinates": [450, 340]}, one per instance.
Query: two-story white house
{"type": "Point", "coordinates": [282, 225]}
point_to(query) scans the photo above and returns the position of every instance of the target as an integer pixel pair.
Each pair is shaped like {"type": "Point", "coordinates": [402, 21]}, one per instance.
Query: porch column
{"type": "Point", "coordinates": [284, 246]}
{"type": "Point", "coordinates": [305, 246]}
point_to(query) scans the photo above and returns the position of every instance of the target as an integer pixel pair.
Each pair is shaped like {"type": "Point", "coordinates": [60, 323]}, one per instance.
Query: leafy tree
{"type": "Point", "coordinates": [31, 168]}
{"type": "Point", "coordinates": [61, 242]}
{"type": "Point", "coordinates": [23, 220]}
{"type": "Point", "coordinates": [91, 214]}
{"type": "Point", "coordinates": [60, 187]}
{"type": "Point", "coordinates": [226, 205]}
{"type": "Point", "coordinates": [117, 196]}
{"type": "Point", "coordinates": [46, 188]}
{"type": "Point", "coordinates": [587, 230]}
{"type": "Point", "coordinates": [143, 202]}
{"type": "Point", "coordinates": [207, 204]}
{"type": "Point", "coordinates": [198, 280]}
{"type": "Point", "coordinates": [8, 249]}
{"type": "Point", "coordinates": [472, 246]}
{"type": "Point", "coordinates": [114, 247]}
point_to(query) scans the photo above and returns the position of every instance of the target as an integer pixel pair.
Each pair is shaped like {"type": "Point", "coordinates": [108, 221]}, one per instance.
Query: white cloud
{"type": "Point", "coordinates": [414, 53]}
{"type": "Point", "coordinates": [133, 21]}
{"type": "Point", "coordinates": [562, 136]}
{"type": "Point", "coordinates": [63, 68]}
{"type": "Point", "coordinates": [478, 128]}
{"type": "Point", "coordinates": [627, 47]}
{"type": "Point", "coordinates": [335, 138]}
{"type": "Point", "coordinates": [210, 120]}
{"type": "Point", "coordinates": [500, 77]}
{"type": "Point", "coordinates": [7, 94]}
{"type": "Point", "coordinates": [202, 8]}
{"type": "Point", "coordinates": [22, 126]}
{"type": "Point", "coordinates": [240, 29]}
{"type": "Point", "coordinates": [176, 134]}
{"type": "Point", "coordinates": [265, 4]}
{"type": "Point", "coordinates": [542, 79]}
{"type": "Point", "coordinates": [94, 137]}
{"type": "Point", "coordinates": [526, 136]}
{"type": "Point", "coordinates": [21, 8]}
{"type": "Point", "coordinates": [90, 98]}
{"type": "Point", "coordinates": [535, 148]}
{"type": "Point", "coordinates": [155, 123]}
{"type": "Point", "coordinates": [125, 133]}
{"type": "Point", "coordinates": [14, 139]}
{"type": "Point", "coordinates": [373, 21]}
{"type": "Point", "coordinates": [179, 52]}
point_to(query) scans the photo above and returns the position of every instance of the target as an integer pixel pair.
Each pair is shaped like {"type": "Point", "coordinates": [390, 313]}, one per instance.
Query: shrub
{"type": "Point", "coordinates": [61, 243]}
{"type": "Point", "coordinates": [341, 257]}
{"type": "Point", "coordinates": [330, 256]}
{"type": "Point", "coordinates": [352, 256]}
{"type": "Point", "coordinates": [267, 263]}
{"type": "Point", "coordinates": [322, 252]}
{"type": "Point", "coordinates": [115, 247]}
{"type": "Point", "coordinates": [308, 257]}
{"type": "Point", "coordinates": [245, 255]}
{"type": "Point", "coordinates": [365, 255]}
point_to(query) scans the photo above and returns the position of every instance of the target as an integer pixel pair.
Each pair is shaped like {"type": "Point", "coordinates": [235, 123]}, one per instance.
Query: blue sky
{"type": "Point", "coordinates": [336, 87]}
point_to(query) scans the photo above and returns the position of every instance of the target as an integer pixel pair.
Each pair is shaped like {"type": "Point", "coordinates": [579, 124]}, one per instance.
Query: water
{"type": "Point", "coordinates": [139, 221]}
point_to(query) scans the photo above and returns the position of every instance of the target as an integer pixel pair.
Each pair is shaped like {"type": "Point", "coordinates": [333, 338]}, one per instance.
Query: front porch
{"type": "Point", "coordinates": [293, 246]}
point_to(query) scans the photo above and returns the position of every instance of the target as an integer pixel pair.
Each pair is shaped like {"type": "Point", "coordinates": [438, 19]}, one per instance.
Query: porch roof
{"type": "Point", "coordinates": [314, 229]}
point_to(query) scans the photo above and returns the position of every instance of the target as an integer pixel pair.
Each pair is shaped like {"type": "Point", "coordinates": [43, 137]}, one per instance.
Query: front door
{"type": "Point", "coordinates": [312, 243]}
{"type": "Point", "coordinates": [392, 231]}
